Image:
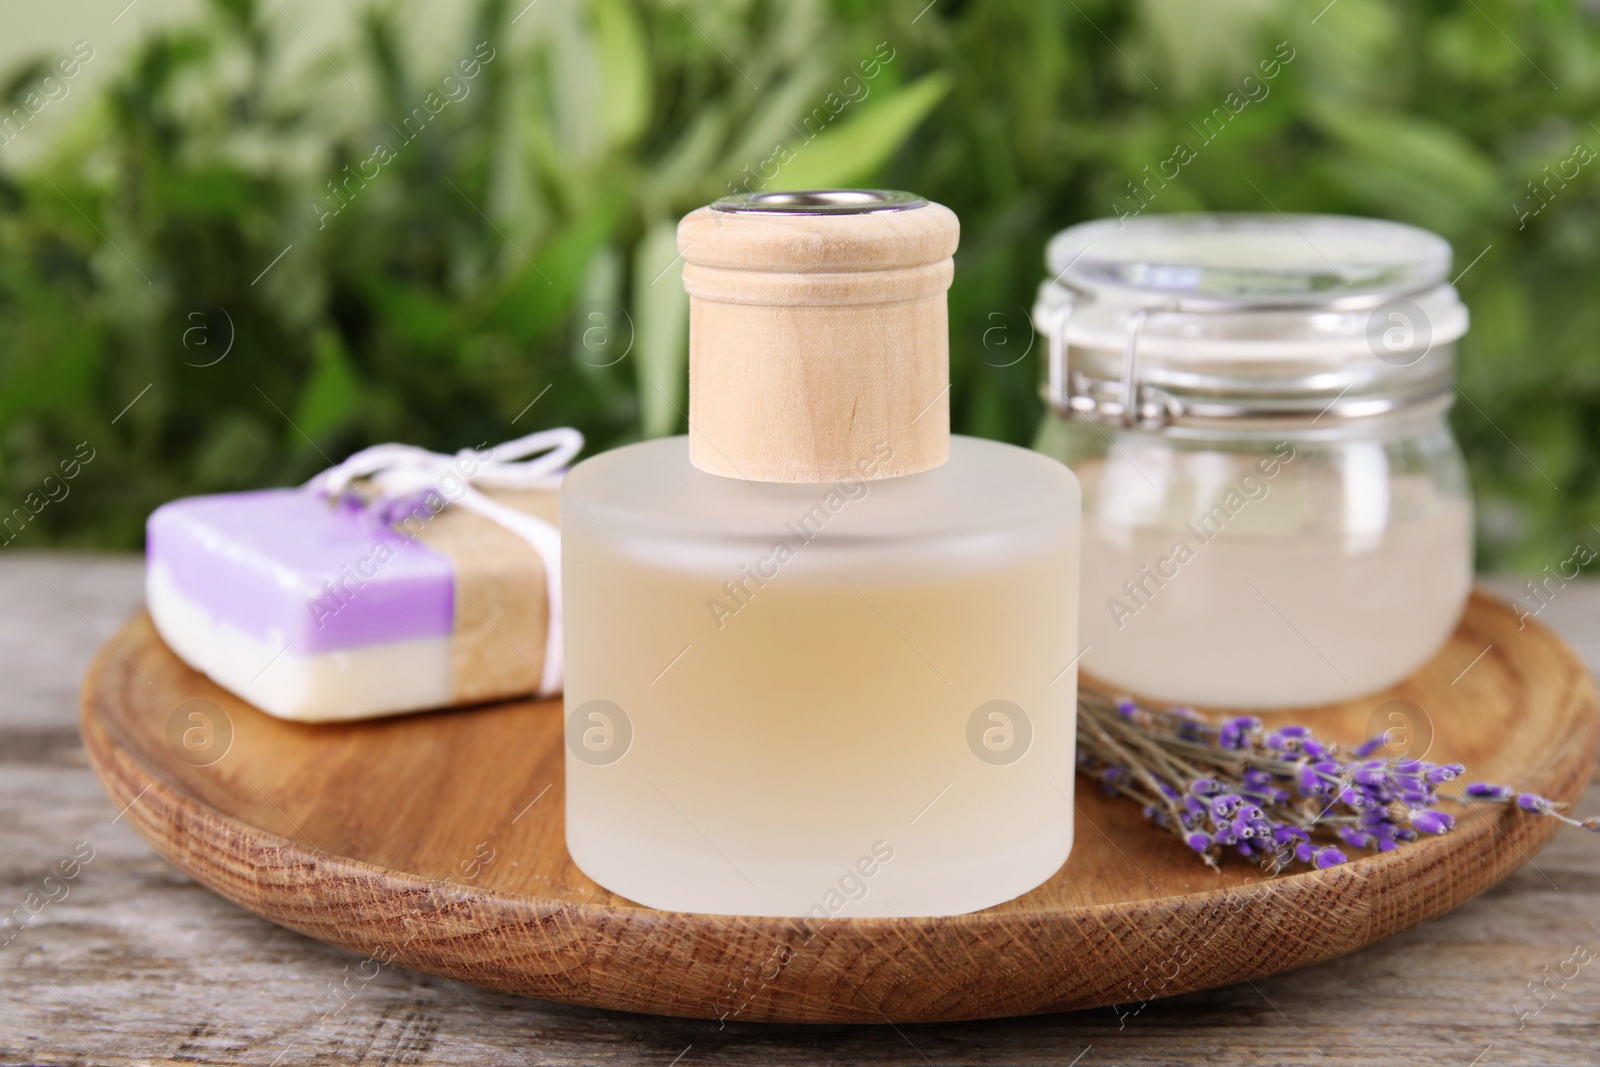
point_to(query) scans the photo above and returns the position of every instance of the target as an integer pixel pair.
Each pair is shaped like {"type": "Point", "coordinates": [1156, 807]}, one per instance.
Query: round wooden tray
{"type": "Point", "coordinates": [435, 841]}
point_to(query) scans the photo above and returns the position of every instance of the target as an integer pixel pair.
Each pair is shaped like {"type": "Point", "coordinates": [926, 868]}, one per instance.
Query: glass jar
{"type": "Point", "coordinates": [1275, 513]}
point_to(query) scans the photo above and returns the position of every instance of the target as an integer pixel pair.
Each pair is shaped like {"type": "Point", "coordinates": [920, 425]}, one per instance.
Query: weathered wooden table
{"type": "Point", "coordinates": [133, 963]}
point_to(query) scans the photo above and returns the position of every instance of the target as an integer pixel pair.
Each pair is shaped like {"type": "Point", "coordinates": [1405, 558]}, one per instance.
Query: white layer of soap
{"type": "Point", "coordinates": [358, 683]}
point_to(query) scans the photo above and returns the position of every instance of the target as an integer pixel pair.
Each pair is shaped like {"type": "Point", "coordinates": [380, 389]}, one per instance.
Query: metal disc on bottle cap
{"type": "Point", "coordinates": [820, 202]}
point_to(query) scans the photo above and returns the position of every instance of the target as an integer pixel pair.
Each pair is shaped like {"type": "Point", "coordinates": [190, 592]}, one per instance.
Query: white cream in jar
{"type": "Point", "coordinates": [1275, 512]}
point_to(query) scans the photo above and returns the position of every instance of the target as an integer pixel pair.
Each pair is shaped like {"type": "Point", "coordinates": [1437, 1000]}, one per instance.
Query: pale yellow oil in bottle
{"type": "Point", "coordinates": [877, 721]}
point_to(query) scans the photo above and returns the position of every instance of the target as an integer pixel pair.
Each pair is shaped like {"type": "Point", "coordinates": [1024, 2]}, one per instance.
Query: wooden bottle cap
{"type": "Point", "coordinates": [818, 336]}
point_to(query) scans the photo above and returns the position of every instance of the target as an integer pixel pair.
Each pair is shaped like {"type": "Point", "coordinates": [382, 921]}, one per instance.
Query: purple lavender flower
{"type": "Point", "coordinates": [1432, 822]}
{"type": "Point", "coordinates": [1327, 857]}
{"type": "Point", "coordinates": [1272, 797]}
{"type": "Point", "coordinates": [1445, 772]}
{"type": "Point", "coordinates": [1288, 739]}
{"type": "Point", "coordinates": [1224, 806]}
{"type": "Point", "coordinates": [1369, 747]}
{"type": "Point", "coordinates": [1535, 803]}
{"type": "Point", "coordinates": [1373, 772]}
{"type": "Point", "coordinates": [424, 503]}
{"type": "Point", "coordinates": [1355, 837]}
{"type": "Point", "coordinates": [1235, 732]}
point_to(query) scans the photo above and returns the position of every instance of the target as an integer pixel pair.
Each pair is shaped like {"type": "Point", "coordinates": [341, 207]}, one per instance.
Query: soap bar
{"type": "Point", "coordinates": [318, 609]}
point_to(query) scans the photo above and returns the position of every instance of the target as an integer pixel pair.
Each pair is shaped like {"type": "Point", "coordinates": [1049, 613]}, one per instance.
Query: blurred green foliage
{"type": "Point", "coordinates": [511, 242]}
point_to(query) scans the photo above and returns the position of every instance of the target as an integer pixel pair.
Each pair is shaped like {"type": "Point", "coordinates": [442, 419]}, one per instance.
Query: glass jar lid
{"type": "Point", "coordinates": [1205, 320]}
{"type": "Point", "coordinates": [1228, 261]}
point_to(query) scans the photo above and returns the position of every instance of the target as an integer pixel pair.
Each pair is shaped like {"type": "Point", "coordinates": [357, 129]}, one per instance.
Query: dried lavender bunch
{"type": "Point", "coordinates": [1276, 797]}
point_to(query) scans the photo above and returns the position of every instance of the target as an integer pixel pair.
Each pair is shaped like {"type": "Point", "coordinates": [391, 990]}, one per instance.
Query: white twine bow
{"type": "Point", "coordinates": [537, 461]}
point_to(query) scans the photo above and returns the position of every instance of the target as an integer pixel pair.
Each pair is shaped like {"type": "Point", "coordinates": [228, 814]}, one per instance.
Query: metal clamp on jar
{"type": "Point", "coordinates": [1275, 511]}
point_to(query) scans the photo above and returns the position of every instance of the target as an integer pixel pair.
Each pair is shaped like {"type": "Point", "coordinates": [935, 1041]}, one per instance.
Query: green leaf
{"type": "Point", "coordinates": [232, 454]}
{"type": "Point", "coordinates": [1201, 46]}
{"type": "Point", "coordinates": [1416, 168]}
{"type": "Point", "coordinates": [661, 311]}
{"type": "Point", "coordinates": [215, 193]}
{"type": "Point", "coordinates": [332, 397]}
{"type": "Point", "coordinates": [858, 145]}
{"type": "Point", "coordinates": [415, 314]}
{"type": "Point", "coordinates": [626, 68]}
{"type": "Point", "coordinates": [775, 117]}
{"type": "Point", "coordinates": [541, 294]}
{"type": "Point", "coordinates": [686, 163]}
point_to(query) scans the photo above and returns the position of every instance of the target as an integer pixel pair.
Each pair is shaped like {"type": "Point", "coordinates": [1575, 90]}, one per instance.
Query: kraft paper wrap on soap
{"type": "Point", "coordinates": [502, 613]}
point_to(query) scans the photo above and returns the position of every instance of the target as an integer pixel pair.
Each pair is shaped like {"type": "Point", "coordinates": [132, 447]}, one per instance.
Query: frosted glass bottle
{"type": "Point", "coordinates": [846, 687]}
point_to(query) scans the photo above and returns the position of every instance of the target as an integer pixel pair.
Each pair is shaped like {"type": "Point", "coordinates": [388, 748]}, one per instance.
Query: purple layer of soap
{"type": "Point", "coordinates": [289, 566]}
